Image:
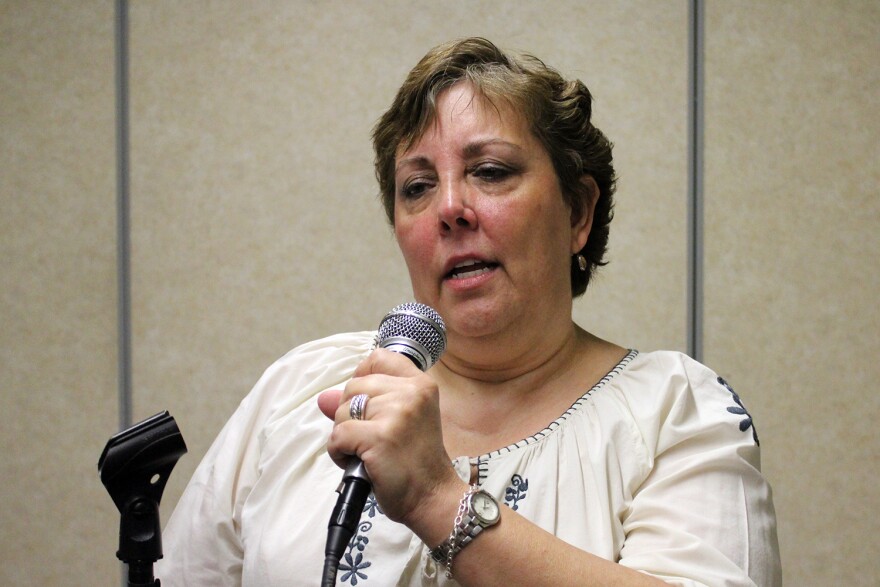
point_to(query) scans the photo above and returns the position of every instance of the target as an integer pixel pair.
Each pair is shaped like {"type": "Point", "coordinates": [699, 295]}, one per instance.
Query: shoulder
{"type": "Point", "coordinates": [324, 354]}
{"type": "Point", "coordinates": [671, 364]}
{"type": "Point", "coordinates": [664, 376]}
{"type": "Point", "coordinates": [674, 397]}
{"type": "Point", "coordinates": [702, 482]}
{"type": "Point", "coordinates": [307, 370]}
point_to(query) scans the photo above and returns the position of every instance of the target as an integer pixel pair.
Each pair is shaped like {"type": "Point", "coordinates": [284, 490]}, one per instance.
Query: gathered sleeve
{"type": "Point", "coordinates": [202, 541]}
{"type": "Point", "coordinates": [703, 514]}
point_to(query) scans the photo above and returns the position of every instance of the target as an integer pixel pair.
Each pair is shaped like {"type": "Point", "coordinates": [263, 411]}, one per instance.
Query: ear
{"type": "Point", "coordinates": [582, 221]}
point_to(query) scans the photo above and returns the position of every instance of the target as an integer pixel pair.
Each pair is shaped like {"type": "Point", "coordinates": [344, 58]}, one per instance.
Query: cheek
{"type": "Point", "coordinates": [415, 243]}
{"type": "Point", "coordinates": [543, 236]}
{"type": "Point", "coordinates": [536, 227]}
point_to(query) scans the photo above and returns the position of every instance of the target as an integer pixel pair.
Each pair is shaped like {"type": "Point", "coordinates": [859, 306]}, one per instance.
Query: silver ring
{"type": "Point", "coordinates": [357, 407]}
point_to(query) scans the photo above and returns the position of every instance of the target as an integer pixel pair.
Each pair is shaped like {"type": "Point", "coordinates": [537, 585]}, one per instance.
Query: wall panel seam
{"type": "Point", "coordinates": [695, 196]}
{"type": "Point", "coordinates": [123, 253]}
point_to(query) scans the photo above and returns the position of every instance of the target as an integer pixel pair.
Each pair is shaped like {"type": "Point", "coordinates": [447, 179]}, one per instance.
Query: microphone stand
{"type": "Point", "coordinates": [135, 467]}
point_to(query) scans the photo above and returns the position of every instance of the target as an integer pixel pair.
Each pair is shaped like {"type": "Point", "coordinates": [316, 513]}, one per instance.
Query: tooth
{"type": "Point", "coordinates": [472, 273]}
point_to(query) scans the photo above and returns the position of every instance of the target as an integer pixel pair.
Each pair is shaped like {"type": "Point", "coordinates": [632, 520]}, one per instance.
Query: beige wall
{"type": "Point", "coordinates": [793, 263]}
{"type": "Point", "coordinates": [255, 227]}
{"type": "Point", "coordinates": [58, 293]}
{"type": "Point", "coordinates": [255, 222]}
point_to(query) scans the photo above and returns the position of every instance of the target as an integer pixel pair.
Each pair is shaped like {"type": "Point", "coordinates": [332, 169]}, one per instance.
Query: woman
{"type": "Point", "coordinates": [611, 466]}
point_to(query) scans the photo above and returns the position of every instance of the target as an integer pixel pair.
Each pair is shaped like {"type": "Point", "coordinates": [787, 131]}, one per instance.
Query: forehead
{"type": "Point", "coordinates": [461, 109]}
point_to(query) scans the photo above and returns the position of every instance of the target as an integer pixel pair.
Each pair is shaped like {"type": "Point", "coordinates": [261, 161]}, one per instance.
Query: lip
{"type": "Point", "coordinates": [468, 269]}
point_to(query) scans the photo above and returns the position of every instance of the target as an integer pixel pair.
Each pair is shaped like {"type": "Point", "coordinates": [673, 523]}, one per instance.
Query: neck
{"type": "Point", "coordinates": [493, 360]}
{"type": "Point", "coordinates": [483, 396]}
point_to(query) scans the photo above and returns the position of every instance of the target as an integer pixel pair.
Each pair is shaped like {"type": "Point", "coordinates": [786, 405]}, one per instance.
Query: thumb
{"type": "Point", "coordinates": [328, 402]}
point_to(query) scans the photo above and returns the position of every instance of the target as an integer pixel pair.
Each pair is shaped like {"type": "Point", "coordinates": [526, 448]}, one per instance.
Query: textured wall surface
{"type": "Point", "coordinates": [793, 263]}
{"type": "Point", "coordinates": [255, 227]}
{"type": "Point", "coordinates": [255, 222]}
{"type": "Point", "coordinates": [58, 293]}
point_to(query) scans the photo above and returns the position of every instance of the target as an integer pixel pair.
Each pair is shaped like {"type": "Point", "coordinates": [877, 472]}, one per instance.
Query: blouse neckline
{"type": "Point", "coordinates": [482, 460]}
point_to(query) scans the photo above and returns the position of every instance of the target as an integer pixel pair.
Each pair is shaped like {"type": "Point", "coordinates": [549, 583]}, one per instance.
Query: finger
{"type": "Point", "coordinates": [386, 362]}
{"type": "Point", "coordinates": [349, 438]}
{"type": "Point", "coordinates": [329, 401]}
{"type": "Point", "coordinates": [375, 395]}
{"type": "Point", "coordinates": [344, 410]}
{"type": "Point", "coordinates": [373, 385]}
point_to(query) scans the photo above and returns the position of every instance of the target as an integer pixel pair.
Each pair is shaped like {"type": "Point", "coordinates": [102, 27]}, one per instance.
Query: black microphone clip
{"type": "Point", "coordinates": [134, 467]}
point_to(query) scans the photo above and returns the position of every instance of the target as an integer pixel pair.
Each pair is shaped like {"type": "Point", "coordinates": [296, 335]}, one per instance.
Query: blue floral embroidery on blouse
{"type": "Point", "coordinates": [353, 563]}
{"type": "Point", "coordinates": [354, 567]}
{"type": "Point", "coordinates": [371, 508]}
{"type": "Point", "coordinates": [516, 491]}
{"type": "Point", "coordinates": [740, 410]}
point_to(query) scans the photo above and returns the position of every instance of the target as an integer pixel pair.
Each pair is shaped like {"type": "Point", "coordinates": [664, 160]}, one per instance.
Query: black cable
{"type": "Point", "coordinates": [343, 523]}
{"type": "Point", "coordinates": [331, 565]}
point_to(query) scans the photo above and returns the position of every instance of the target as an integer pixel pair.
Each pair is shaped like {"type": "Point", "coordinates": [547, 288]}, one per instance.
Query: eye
{"type": "Point", "coordinates": [491, 172]}
{"type": "Point", "coordinates": [415, 188]}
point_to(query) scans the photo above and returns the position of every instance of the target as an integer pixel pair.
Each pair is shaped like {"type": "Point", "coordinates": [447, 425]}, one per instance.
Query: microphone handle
{"type": "Point", "coordinates": [354, 489]}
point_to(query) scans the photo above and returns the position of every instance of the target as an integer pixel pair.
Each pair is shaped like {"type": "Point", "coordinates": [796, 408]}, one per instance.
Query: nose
{"type": "Point", "coordinates": [456, 209]}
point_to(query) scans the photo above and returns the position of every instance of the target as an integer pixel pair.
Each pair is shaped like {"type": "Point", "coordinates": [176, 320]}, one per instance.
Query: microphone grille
{"type": "Point", "coordinates": [416, 330]}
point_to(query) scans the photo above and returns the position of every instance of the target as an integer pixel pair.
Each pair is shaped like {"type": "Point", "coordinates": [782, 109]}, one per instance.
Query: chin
{"type": "Point", "coordinates": [476, 318]}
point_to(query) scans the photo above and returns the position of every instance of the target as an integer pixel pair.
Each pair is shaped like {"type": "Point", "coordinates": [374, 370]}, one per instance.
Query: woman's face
{"type": "Point", "coordinates": [481, 221]}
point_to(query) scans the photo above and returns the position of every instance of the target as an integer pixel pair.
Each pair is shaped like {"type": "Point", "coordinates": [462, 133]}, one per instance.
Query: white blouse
{"type": "Point", "coordinates": [656, 467]}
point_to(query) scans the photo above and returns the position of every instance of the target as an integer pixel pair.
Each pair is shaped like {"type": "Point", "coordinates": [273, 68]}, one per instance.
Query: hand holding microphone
{"type": "Point", "coordinates": [417, 332]}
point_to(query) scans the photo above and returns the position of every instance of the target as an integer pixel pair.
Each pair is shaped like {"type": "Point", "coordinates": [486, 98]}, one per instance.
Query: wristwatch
{"type": "Point", "coordinates": [478, 510]}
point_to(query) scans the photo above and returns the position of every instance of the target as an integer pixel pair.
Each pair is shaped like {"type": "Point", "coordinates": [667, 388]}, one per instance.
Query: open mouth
{"type": "Point", "coordinates": [471, 268]}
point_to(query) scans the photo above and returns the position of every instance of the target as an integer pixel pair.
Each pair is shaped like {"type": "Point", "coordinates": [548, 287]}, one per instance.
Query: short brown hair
{"type": "Point", "coordinates": [557, 110]}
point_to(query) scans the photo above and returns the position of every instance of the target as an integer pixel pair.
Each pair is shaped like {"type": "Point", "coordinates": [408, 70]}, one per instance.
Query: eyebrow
{"type": "Point", "coordinates": [476, 148]}
{"type": "Point", "coordinates": [418, 161]}
{"type": "Point", "coordinates": [470, 150]}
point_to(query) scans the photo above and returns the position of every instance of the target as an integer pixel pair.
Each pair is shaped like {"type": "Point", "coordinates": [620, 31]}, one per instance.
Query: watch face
{"type": "Point", "coordinates": [485, 507]}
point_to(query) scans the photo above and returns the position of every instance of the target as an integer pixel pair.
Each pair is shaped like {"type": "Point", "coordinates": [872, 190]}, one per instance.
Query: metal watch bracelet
{"type": "Point", "coordinates": [477, 510]}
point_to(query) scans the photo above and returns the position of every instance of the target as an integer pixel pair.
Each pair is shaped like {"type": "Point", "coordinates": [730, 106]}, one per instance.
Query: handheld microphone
{"type": "Point", "coordinates": [418, 332]}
